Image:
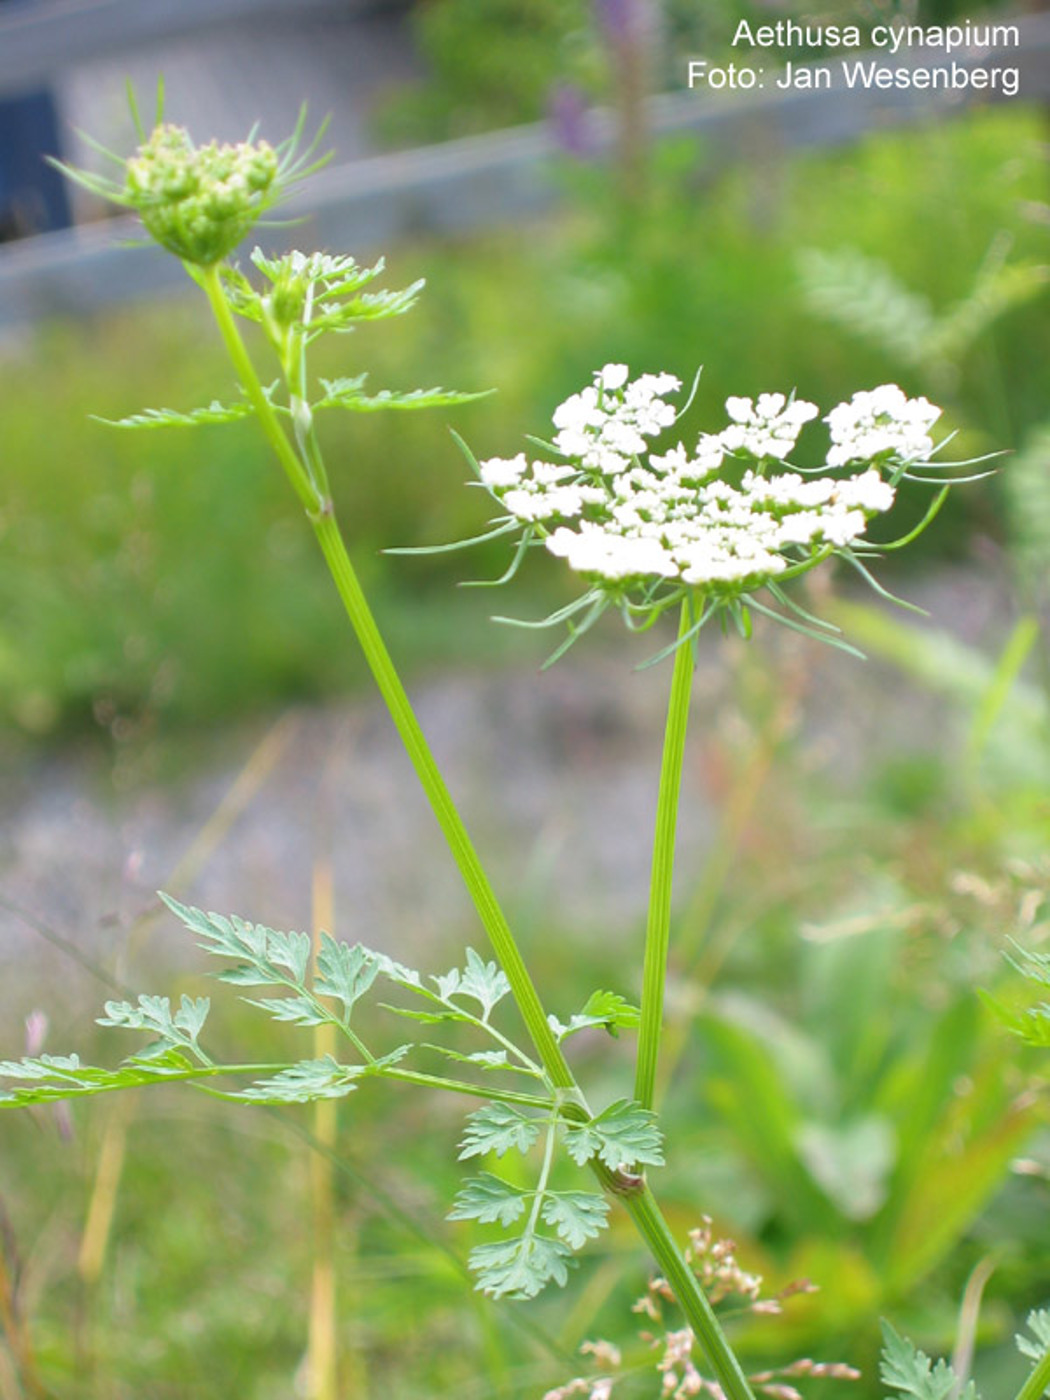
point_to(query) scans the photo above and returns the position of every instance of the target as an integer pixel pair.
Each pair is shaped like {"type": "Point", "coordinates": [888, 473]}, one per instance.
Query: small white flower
{"type": "Point", "coordinates": [500, 472]}
{"type": "Point", "coordinates": [613, 376]}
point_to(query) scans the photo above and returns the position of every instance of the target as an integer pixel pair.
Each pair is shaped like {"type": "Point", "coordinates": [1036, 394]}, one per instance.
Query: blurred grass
{"type": "Point", "coordinates": [163, 577]}
{"type": "Point", "coordinates": [839, 1102]}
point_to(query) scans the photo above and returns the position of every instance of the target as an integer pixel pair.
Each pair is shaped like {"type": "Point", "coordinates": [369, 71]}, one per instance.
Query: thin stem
{"type": "Point", "coordinates": [691, 1298]}
{"type": "Point", "coordinates": [322, 518]}
{"type": "Point", "coordinates": [636, 1195]}
{"type": "Point", "coordinates": [461, 1086]}
{"type": "Point", "coordinates": [658, 925]}
{"type": "Point", "coordinates": [460, 844]}
{"type": "Point", "coordinates": [1037, 1384]}
{"type": "Point", "coordinates": [249, 381]}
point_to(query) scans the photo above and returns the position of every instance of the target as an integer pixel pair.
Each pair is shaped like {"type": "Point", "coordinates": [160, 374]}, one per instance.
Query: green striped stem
{"type": "Point", "coordinates": [658, 925]}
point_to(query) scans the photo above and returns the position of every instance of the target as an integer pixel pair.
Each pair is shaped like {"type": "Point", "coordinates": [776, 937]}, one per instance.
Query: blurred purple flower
{"type": "Point", "coordinates": [36, 1032]}
{"type": "Point", "coordinates": [621, 21]}
{"type": "Point", "coordinates": [570, 117]}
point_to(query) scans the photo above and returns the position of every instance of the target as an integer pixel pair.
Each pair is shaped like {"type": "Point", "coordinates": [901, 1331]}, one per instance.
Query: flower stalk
{"type": "Point", "coordinates": [658, 924]}
{"type": "Point", "coordinates": [638, 1200]}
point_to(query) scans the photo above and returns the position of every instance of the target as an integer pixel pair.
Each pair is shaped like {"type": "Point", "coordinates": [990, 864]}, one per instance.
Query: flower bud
{"type": "Point", "coordinates": [200, 202]}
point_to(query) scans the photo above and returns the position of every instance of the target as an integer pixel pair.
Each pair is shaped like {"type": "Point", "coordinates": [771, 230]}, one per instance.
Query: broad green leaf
{"type": "Point", "coordinates": [754, 1099]}
{"type": "Point", "coordinates": [851, 1162]}
{"type": "Point", "coordinates": [911, 1372]}
{"type": "Point", "coordinates": [498, 1127]}
{"type": "Point", "coordinates": [520, 1268]}
{"type": "Point", "coordinates": [488, 1199]}
{"type": "Point", "coordinates": [950, 1191]}
{"type": "Point", "coordinates": [622, 1135]}
{"type": "Point", "coordinates": [576, 1215]}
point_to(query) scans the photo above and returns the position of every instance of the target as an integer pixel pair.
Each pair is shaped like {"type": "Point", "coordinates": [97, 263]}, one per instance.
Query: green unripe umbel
{"type": "Point", "coordinates": [200, 202]}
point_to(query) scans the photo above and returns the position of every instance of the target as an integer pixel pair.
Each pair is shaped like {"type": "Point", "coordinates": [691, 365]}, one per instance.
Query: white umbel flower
{"type": "Point", "coordinates": [710, 526]}
{"type": "Point", "coordinates": [879, 422]}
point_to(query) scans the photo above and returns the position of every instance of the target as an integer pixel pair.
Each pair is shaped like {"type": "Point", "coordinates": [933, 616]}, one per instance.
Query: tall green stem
{"type": "Point", "coordinates": [393, 692]}
{"type": "Point", "coordinates": [653, 1228]}
{"type": "Point", "coordinates": [1038, 1383]}
{"type": "Point", "coordinates": [658, 925]}
{"type": "Point", "coordinates": [635, 1194]}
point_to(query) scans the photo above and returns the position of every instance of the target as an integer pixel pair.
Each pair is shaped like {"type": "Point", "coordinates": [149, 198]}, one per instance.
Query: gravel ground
{"type": "Point", "coordinates": [556, 774]}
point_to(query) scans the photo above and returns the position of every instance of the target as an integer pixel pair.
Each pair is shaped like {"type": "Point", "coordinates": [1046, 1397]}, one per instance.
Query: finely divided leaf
{"type": "Point", "coordinates": [622, 1135]}
{"type": "Point", "coordinates": [265, 956]}
{"type": "Point", "coordinates": [299, 1011]}
{"type": "Point", "coordinates": [1031, 1023]}
{"type": "Point", "coordinates": [520, 1268]}
{"type": "Point", "coordinates": [344, 972]}
{"type": "Point", "coordinates": [154, 1014]}
{"type": "Point", "coordinates": [1038, 1324]}
{"type": "Point", "coordinates": [349, 394]}
{"type": "Point", "coordinates": [171, 418]}
{"type": "Point", "coordinates": [576, 1215]}
{"type": "Point", "coordinates": [606, 1009]}
{"type": "Point", "coordinates": [487, 1059]}
{"type": "Point", "coordinates": [497, 1128]}
{"type": "Point", "coordinates": [483, 982]}
{"type": "Point", "coordinates": [910, 1371]}
{"type": "Point", "coordinates": [305, 1082]}
{"type": "Point", "coordinates": [487, 1198]}
{"type": "Point", "coordinates": [56, 1077]}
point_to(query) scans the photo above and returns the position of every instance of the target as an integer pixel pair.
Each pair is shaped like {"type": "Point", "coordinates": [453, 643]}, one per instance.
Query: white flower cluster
{"type": "Point", "coordinates": [878, 421]}
{"type": "Point", "coordinates": [618, 516]}
{"type": "Point", "coordinates": [768, 428]}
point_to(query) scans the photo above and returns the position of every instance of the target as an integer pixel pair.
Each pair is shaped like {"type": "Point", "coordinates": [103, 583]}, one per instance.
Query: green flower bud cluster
{"type": "Point", "coordinates": [200, 202]}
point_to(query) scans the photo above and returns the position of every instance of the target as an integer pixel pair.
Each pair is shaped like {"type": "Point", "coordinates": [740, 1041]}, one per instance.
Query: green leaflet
{"type": "Point", "coordinates": [345, 972]}
{"type": "Point", "coordinates": [498, 1127]}
{"type": "Point", "coordinates": [154, 1014]}
{"type": "Point", "coordinates": [305, 1082]}
{"type": "Point", "coordinates": [489, 1199]}
{"type": "Point", "coordinates": [51, 1078]}
{"type": "Point", "coordinates": [521, 1267]}
{"type": "Point", "coordinates": [577, 1216]}
{"type": "Point", "coordinates": [349, 394]}
{"type": "Point", "coordinates": [482, 981]}
{"type": "Point", "coordinates": [608, 1010]}
{"type": "Point", "coordinates": [215, 412]}
{"type": "Point", "coordinates": [622, 1135]}
{"type": "Point", "coordinates": [171, 417]}
{"type": "Point", "coordinates": [911, 1372]}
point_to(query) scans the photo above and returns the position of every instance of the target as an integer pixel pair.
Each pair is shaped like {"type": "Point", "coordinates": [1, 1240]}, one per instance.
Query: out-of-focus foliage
{"type": "Point", "coordinates": [115, 547]}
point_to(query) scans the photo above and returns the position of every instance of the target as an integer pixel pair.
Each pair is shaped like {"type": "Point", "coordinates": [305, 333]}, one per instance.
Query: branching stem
{"type": "Point", "coordinates": [393, 692]}
{"type": "Point", "coordinates": [638, 1199]}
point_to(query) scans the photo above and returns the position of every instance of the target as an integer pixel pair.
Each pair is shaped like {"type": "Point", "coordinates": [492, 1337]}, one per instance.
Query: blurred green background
{"type": "Point", "coordinates": [841, 1103]}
